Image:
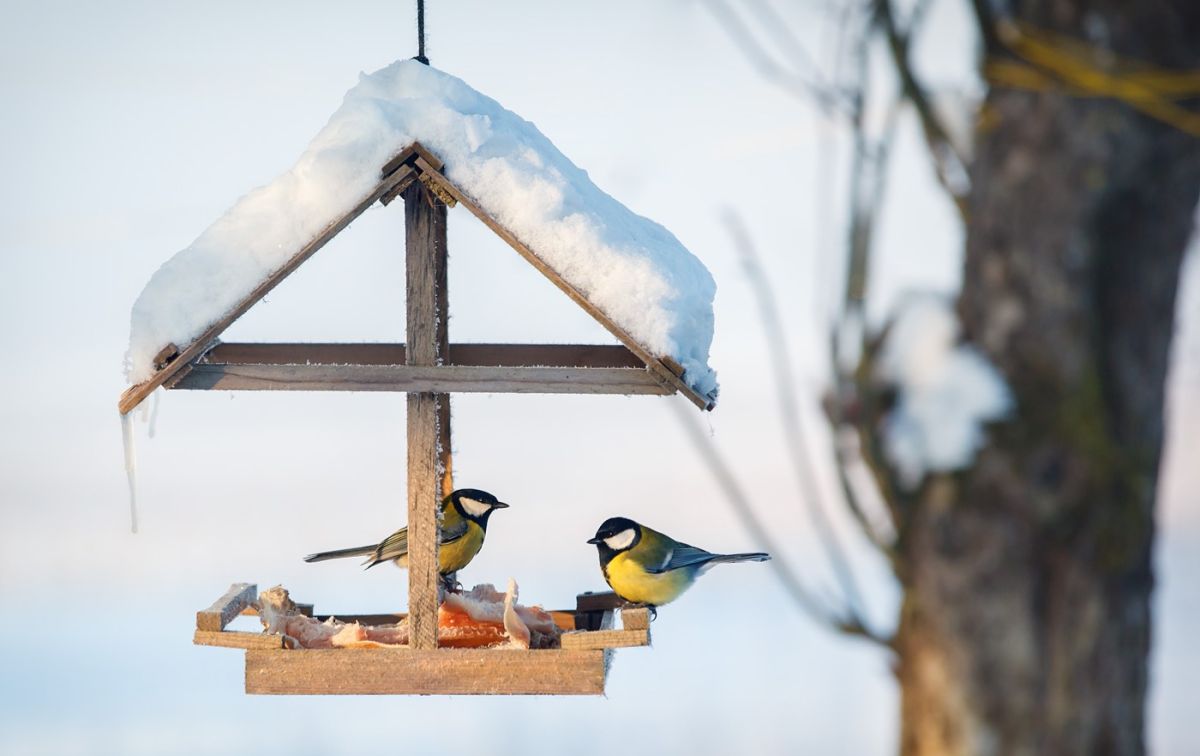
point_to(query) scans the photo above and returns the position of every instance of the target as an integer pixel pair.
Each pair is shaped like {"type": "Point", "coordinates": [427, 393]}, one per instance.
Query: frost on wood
{"type": "Point", "coordinates": [946, 392]}
{"type": "Point", "coordinates": [633, 269]}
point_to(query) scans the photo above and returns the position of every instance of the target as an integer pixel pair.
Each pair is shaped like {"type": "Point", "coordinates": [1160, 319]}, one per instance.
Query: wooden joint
{"type": "Point", "coordinates": [436, 187]}
{"type": "Point", "coordinates": [165, 356]}
{"type": "Point", "coordinates": [398, 189]}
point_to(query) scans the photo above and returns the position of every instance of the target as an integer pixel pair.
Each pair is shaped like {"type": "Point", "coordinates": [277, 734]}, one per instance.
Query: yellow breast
{"type": "Point", "coordinates": [457, 554]}
{"type": "Point", "coordinates": [633, 583]}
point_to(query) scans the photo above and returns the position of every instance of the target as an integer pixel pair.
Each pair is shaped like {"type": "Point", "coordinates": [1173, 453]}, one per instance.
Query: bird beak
{"type": "Point", "coordinates": [499, 505]}
{"type": "Point", "coordinates": [595, 540]}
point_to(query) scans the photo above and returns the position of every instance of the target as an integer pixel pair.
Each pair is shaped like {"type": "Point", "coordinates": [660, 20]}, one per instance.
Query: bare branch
{"type": "Point", "coordinates": [849, 623]}
{"type": "Point", "coordinates": [945, 156]}
{"type": "Point", "coordinates": [789, 410]}
{"type": "Point", "coordinates": [827, 98]}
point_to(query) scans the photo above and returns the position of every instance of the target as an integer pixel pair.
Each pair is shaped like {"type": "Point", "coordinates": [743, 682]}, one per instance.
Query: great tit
{"type": "Point", "coordinates": [644, 566]}
{"type": "Point", "coordinates": [465, 515]}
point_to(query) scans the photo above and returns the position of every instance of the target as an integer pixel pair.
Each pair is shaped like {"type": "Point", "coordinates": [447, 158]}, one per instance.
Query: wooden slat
{"type": "Point", "coordinates": [134, 395]}
{"type": "Point", "coordinates": [237, 639]}
{"type": "Point", "coordinates": [593, 601]}
{"type": "Point", "coordinates": [635, 619]}
{"type": "Point", "coordinates": [407, 378]}
{"type": "Point", "coordinates": [432, 672]}
{"type": "Point", "coordinates": [442, 334]}
{"type": "Point", "coordinates": [224, 609]}
{"type": "Point", "coordinates": [425, 249]}
{"type": "Point", "coordinates": [491, 355]}
{"type": "Point", "coordinates": [599, 639]}
{"type": "Point", "coordinates": [653, 362]}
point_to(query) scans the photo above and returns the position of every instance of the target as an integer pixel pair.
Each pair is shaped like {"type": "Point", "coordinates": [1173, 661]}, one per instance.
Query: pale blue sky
{"type": "Point", "coordinates": [128, 127]}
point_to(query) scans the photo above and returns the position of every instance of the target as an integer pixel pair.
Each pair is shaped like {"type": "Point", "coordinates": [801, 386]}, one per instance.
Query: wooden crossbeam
{"type": "Point", "coordinates": [488, 355]}
{"type": "Point", "coordinates": [415, 378]}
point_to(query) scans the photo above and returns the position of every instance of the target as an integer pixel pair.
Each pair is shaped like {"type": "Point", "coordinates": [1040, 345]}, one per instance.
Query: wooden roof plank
{"type": "Point", "coordinates": [134, 395]}
{"type": "Point", "coordinates": [652, 361]}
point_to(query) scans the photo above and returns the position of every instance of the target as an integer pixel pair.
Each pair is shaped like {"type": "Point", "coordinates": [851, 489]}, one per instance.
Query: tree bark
{"type": "Point", "coordinates": [1025, 624]}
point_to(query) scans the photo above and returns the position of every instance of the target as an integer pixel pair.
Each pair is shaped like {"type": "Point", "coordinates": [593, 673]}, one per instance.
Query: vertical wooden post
{"type": "Point", "coordinates": [425, 265]}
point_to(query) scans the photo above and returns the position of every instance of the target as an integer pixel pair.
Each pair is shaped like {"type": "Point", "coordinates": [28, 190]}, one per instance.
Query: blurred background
{"type": "Point", "coordinates": [128, 127]}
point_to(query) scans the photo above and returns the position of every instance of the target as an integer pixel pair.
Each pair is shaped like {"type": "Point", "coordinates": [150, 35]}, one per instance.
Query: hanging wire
{"type": "Point", "coordinates": [421, 33]}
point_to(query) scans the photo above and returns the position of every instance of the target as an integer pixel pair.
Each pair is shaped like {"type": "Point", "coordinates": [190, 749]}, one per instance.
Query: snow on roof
{"type": "Point", "coordinates": [631, 268]}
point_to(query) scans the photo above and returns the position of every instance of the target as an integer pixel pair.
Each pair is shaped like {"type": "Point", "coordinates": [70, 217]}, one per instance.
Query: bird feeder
{"type": "Point", "coordinates": [428, 369]}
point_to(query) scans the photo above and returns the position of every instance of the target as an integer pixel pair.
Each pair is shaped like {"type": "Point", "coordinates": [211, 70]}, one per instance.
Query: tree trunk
{"type": "Point", "coordinates": [1025, 626]}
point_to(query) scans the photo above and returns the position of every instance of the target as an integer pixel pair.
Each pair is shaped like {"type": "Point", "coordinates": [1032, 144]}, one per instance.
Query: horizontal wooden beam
{"type": "Point", "coordinates": [426, 672]}
{"type": "Point", "coordinates": [601, 639]}
{"type": "Point", "coordinates": [224, 609]}
{"type": "Point", "coordinates": [416, 378]}
{"type": "Point", "coordinates": [236, 639]}
{"type": "Point", "coordinates": [495, 355]}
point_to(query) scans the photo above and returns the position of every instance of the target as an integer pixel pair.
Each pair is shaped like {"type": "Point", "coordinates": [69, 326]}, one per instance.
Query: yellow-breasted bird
{"type": "Point", "coordinates": [465, 515]}
{"type": "Point", "coordinates": [644, 566]}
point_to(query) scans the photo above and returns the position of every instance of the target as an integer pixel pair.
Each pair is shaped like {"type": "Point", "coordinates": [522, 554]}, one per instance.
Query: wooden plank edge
{"type": "Point", "coordinates": [601, 639]}
{"type": "Point", "coordinates": [134, 395]}
{"type": "Point", "coordinates": [224, 609]}
{"type": "Point", "coordinates": [421, 379]}
{"type": "Point", "coordinates": [461, 353]}
{"type": "Point", "coordinates": [430, 672]}
{"type": "Point", "coordinates": [237, 639]}
{"type": "Point", "coordinates": [635, 618]}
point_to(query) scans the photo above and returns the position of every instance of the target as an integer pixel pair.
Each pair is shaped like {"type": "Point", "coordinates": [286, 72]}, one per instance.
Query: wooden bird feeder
{"type": "Point", "coordinates": [428, 369]}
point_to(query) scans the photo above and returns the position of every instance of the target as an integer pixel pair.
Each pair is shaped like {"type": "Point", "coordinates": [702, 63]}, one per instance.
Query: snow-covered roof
{"type": "Point", "coordinates": [630, 268]}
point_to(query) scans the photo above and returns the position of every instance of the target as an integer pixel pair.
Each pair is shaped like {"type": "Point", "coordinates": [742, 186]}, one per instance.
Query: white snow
{"type": "Point", "coordinates": [946, 390]}
{"type": "Point", "coordinates": [633, 269]}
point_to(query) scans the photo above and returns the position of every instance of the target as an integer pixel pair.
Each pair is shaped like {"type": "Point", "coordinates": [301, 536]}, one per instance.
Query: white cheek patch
{"type": "Point", "coordinates": [621, 540]}
{"type": "Point", "coordinates": [473, 507]}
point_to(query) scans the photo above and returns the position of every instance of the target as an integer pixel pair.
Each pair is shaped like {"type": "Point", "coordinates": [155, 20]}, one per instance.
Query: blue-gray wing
{"type": "Point", "coordinates": [453, 533]}
{"type": "Point", "coordinates": [682, 556]}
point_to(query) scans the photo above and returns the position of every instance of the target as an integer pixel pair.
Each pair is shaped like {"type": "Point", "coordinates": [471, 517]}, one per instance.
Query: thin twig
{"type": "Point", "coordinates": [941, 147]}
{"type": "Point", "coordinates": [849, 624]}
{"type": "Point", "coordinates": [789, 411]}
{"type": "Point", "coordinates": [828, 99]}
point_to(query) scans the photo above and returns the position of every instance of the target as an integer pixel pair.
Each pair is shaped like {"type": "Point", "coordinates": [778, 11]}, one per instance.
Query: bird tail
{"type": "Point", "coordinates": [321, 556]}
{"type": "Point", "coordinates": [757, 556]}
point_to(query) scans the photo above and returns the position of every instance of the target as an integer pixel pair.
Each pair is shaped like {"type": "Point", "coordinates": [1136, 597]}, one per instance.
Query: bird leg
{"type": "Point", "coordinates": [450, 583]}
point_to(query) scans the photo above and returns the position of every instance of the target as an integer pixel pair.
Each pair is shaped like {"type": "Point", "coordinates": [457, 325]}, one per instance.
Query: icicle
{"type": "Point", "coordinates": [130, 468]}
{"type": "Point", "coordinates": [154, 411]}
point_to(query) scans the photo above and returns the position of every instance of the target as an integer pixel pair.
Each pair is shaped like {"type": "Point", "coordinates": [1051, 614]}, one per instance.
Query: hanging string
{"type": "Point", "coordinates": [421, 33]}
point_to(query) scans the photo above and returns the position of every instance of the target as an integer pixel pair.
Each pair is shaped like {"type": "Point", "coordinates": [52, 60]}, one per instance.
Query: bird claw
{"type": "Point", "coordinates": [649, 607]}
